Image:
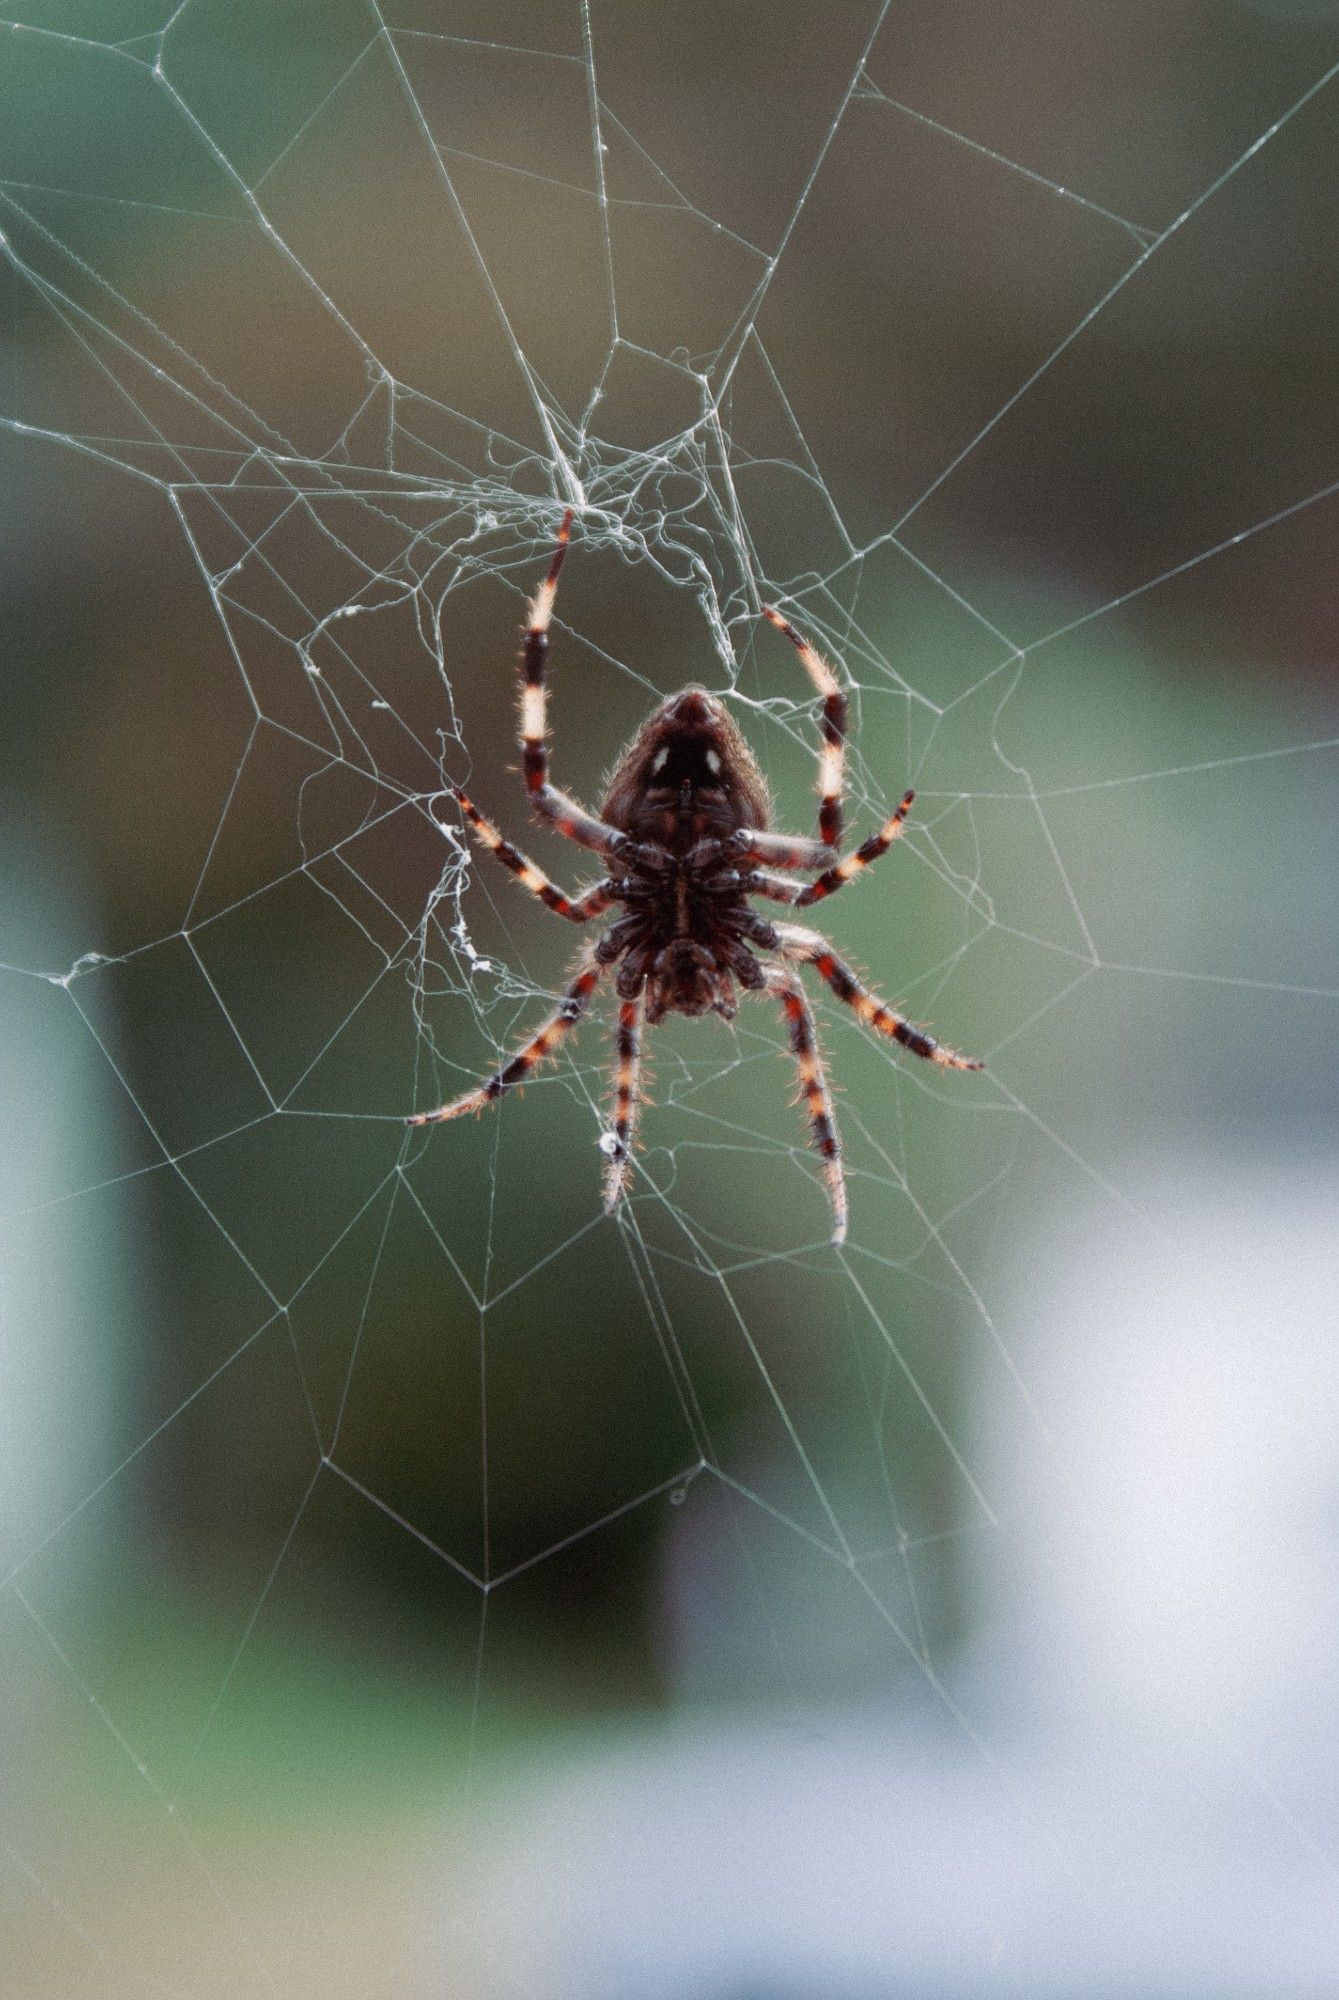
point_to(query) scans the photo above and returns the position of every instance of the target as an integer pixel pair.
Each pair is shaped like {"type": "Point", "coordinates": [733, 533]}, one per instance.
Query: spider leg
{"type": "Point", "coordinates": [615, 941]}
{"type": "Point", "coordinates": [573, 821]}
{"type": "Point", "coordinates": [628, 1049]}
{"type": "Point", "coordinates": [561, 1022]}
{"type": "Point", "coordinates": [783, 850]}
{"type": "Point", "coordinates": [745, 967]}
{"type": "Point", "coordinates": [857, 860]}
{"type": "Point", "coordinates": [832, 756]}
{"type": "Point", "coordinates": [562, 813]}
{"type": "Point", "coordinates": [810, 948]}
{"type": "Point", "coordinates": [762, 882]}
{"type": "Point", "coordinates": [534, 653]}
{"type": "Point", "coordinates": [757, 929]}
{"type": "Point", "coordinates": [589, 903]}
{"type": "Point", "coordinates": [814, 1087]}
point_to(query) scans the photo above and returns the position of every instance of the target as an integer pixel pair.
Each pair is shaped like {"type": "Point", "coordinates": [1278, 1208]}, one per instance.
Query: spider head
{"type": "Point", "coordinates": [688, 772]}
{"type": "Point", "coordinates": [685, 979]}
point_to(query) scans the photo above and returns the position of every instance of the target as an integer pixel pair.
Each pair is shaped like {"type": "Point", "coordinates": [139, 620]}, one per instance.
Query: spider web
{"type": "Point", "coordinates": [320, 328]}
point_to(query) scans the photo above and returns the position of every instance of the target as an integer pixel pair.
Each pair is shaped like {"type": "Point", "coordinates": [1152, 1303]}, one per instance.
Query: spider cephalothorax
{"type": "Point", "coordinates": [683, 828]}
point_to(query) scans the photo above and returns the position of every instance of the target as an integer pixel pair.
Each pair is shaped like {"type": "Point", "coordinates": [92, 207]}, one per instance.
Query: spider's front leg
{"type": "Point", "coordinates": [560, 1023]}
{"type": "Point", "coordinates": [562, 813]}
{"type": "Point", "coordinates": [628, 1050]}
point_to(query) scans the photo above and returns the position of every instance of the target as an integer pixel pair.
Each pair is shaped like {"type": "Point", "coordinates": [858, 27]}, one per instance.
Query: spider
{"type": "Point", "coordinates": [683, 830]}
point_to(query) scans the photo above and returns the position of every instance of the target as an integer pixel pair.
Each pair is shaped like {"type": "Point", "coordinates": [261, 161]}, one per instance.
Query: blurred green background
{"type": "Point", "coordinates": [297, 315]}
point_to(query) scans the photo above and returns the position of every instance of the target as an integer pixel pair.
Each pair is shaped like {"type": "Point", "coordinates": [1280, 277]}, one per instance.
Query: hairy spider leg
{"type": "Point", "coordinates": [783, 850]}
{"type": "Point", "coordinates": [811, 948]}
{"type": "Point", "coordinates": [556, 807]}
{"type": "Point", "coordinates": [832, 755]}
{"type": "Point", "coordinates": [534, 654]}
{"type": "Point", "coordinates": [760, 882]}
{"type": "Point", "coordinates": [813, 1087]}
{"type": "Point", "coordinates": [628, 1053]}
{"type": "Point", "coordinates": [777, 888]}
{"type": "Point", "coordinates": [578, 909]}
{"type": "Point", "coordinates": [858, 859]}
{"type": "Point", "coordinates": [560, 1023]}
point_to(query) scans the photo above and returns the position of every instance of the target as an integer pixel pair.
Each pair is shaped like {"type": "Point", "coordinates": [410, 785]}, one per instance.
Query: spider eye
{"type": "Point", "coordinates": [659, 761]}
{"type": "Point", "coordinates": [714, 763]}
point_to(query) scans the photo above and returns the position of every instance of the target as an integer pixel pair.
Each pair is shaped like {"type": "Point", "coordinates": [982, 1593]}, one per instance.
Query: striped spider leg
{"type": "Point", "coordinates": [832, 755]}
{"type": "Point", "coordinates": [562, 813]}
{"type": "Point", "coordinates": [627, 1074]}
{"type": "Point", "coordinates": [573, 1004]}
{"type": "Point", "coordinates": [792, 854]}
{"type": "Point", "coordinates": [589, 902]}
{"type": "Point", "coordinates": [785, 984]}
{"type": "Point", "coordinates": [806, 947]}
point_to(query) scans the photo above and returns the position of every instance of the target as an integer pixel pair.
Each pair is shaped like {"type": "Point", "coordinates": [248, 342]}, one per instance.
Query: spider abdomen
{"type": "Point", "coordinates": [687, 775]}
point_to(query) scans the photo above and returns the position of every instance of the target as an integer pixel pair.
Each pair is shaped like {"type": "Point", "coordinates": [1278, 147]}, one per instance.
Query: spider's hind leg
{"type": "Point", "coordinates": [832, 756]}
{"type": "Point", "coordinates": [534, 656]}
{"type": "Point", "coordinates": [563, 814]}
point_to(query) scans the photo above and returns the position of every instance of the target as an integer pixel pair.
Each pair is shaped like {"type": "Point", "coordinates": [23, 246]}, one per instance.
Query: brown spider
{"type": "Point", "coordinates": [682, 826]}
